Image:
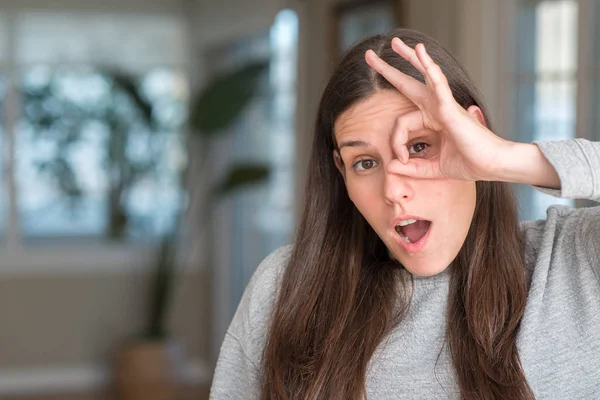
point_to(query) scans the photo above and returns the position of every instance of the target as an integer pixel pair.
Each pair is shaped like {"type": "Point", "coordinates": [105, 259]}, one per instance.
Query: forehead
{"type": "Point", "coordinates": [375, 113]}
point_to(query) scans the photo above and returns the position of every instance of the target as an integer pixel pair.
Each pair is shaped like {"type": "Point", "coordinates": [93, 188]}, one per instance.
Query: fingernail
{"type": "Point", "coordinates": [371, 52]}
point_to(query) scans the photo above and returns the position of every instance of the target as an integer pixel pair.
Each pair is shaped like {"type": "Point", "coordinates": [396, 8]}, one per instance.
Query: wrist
{"type": "Point", "coordinates": [525, 163]}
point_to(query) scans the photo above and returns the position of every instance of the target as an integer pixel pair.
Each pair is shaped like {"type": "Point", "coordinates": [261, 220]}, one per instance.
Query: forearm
{"type": "Point", "coordinates": [525, 163]}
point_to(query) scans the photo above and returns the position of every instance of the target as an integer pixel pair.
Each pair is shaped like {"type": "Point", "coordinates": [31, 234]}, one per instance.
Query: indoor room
{"type": "Point", "coordinates": [154, 152]}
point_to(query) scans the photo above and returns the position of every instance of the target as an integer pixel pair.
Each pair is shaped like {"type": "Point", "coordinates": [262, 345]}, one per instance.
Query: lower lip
{"type": "Point", "coordinates": [413, 247]}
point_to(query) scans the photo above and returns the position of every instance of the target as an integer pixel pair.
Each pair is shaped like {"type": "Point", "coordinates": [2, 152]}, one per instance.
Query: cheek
{"type": "Point", "coordinates": [466, 196]}
{"type": "Point", "coordinates": [462, 201]}
{"type": "Point", "coordinates": [453, 192]}
{"type": "Point", "coordinates": [365, 194]}
{"type": "Point", "coordinates": [436, 193]}
{"type": "Point", "coordinates": [456, 198]}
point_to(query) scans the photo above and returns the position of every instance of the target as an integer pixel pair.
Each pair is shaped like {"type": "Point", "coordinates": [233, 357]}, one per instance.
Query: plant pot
{"type": "Point", "coordinates": [149, 370]}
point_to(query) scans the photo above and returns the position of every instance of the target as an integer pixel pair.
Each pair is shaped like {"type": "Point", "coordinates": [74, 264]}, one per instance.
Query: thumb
{"type": "Point", "coordinates": [415, 168]}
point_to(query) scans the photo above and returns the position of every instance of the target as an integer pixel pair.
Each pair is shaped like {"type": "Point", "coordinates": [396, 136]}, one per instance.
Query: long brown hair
{"type": "Point", "coordinates": [341, 294]}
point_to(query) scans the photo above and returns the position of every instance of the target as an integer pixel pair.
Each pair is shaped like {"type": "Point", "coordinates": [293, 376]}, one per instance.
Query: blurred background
{"type": "Point", "coordinates": [153, 152]}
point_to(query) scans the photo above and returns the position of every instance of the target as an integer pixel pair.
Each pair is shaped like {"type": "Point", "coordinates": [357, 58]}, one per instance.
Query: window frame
{"type": "Point", "coordinates": [588, 75]}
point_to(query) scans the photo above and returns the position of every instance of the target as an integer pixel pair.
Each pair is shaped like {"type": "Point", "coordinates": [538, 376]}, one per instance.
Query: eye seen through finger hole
{"type": "Point", "coordinates": [418, 148]}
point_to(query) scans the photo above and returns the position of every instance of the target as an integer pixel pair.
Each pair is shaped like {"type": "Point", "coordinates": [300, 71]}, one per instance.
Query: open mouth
{"type": "Point", "coordinates": [412, 230]}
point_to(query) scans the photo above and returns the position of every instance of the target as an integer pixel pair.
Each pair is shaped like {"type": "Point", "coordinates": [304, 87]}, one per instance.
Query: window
{"type": "Point", "coordinates": [90, 163]}
{"type": "Point", "coordinates": [546, 83]}
{"type": "Point", "coordinates": [97, 142]}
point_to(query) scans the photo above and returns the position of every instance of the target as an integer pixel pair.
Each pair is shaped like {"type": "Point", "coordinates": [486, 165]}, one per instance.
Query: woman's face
{"type": "Point", "coordinates": [444, 207]}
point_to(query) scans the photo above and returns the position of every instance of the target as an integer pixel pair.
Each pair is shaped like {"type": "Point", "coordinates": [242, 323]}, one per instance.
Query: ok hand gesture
{"type": "Point", "coordinates": [469, 151]}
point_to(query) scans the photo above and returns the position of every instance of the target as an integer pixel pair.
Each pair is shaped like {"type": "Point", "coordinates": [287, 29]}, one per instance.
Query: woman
{"type": "Point", "coordinates": [410, 276]}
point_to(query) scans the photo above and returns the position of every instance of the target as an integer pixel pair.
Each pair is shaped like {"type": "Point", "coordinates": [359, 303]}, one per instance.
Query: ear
{"type": "Point", "coordinates": [476, 113]}
{"type": "Point", "coordinates": [339, 163]}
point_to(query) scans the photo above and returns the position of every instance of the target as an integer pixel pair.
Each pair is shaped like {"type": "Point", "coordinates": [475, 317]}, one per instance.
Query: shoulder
{"type": "Point", "coordinates": [565, 230]}
{"type": "Point", "coordinates": [266, 279]}
{"type": "Point", "coordinates": [563, 220]}
{"type": "Point", "coordinates": [589, 227]}
{"type": "Point", "coordinates": [251, 320]}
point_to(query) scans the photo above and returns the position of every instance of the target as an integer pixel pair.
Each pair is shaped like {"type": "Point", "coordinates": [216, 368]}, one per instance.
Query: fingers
{"type": "Point", "coordinates": [406, 123]}
{"type": "Point", "coordinates": [407, 85]}
{"type": "Point", "coordinates": [415, 168]}
{"type": "Point", "coordinates": [408, 53]}
{"type": "Point", "coordinates": [404, 165]}
{"type": "Point", "coordinates": [435, 75]}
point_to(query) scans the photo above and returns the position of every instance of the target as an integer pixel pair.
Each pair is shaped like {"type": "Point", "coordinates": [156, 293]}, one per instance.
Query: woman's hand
{"type": "Point", "coordinates": [469, 151]}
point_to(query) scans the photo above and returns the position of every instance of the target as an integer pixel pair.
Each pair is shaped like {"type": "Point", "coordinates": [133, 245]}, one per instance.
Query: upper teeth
{"type": "Point", "coordinates": [407, 222]}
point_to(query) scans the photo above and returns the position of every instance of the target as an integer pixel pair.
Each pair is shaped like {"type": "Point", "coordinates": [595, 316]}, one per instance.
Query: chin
{"type": "Point", "coordinates": [425, 270]}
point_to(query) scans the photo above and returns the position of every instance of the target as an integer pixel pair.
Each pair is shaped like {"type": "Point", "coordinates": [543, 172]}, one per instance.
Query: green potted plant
{"type": "Point", "coordinates": [148, 366]}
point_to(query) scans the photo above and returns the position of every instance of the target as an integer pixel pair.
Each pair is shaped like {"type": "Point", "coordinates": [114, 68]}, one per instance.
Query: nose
{"type": "Point", "coordinates": [397, 188]}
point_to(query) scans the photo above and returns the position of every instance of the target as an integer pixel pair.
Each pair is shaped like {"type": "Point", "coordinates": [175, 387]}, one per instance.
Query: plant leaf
{"type": "Point", "coordinates": [128, 84]}
{"type": "Point", "coordinates": [220, 103]}
{"type": "Point", "coordinates": [242, 175]}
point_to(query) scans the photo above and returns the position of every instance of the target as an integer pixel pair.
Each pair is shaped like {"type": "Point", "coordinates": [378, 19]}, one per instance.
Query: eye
{"type": "Point", "coordinates": [364, 164]}
{"type": "Point", "coordinates": [418, 147]}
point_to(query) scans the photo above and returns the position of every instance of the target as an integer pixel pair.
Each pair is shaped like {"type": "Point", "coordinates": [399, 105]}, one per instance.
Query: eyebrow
{"type": "Point", "coordinates": [354, 143]}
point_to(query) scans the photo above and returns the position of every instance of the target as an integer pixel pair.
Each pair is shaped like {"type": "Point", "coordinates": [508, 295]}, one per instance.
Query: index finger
{"type": "Point", "coordinates": [405, 124]}
{"type": "Point", "coordinates": [407, 85]}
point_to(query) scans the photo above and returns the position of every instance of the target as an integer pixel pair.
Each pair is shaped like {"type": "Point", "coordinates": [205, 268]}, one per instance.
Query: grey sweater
{"type": "Point", "coordinates": [559, 339]}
